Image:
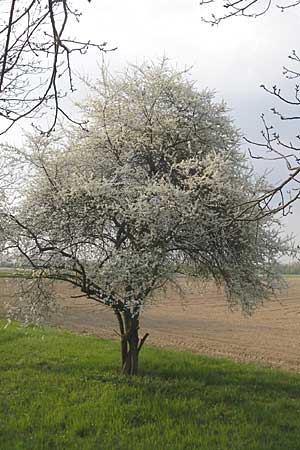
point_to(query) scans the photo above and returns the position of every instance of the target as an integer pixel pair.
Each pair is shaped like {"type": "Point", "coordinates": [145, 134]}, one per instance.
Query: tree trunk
{"type": "Point", "coordinates": [131, 339]}
{"type": "Point", "coordinates": [130, 342]}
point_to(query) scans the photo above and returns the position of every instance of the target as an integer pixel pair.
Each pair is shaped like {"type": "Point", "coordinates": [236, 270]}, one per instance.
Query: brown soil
{"type": "Point", "coordinates": [200, 323]}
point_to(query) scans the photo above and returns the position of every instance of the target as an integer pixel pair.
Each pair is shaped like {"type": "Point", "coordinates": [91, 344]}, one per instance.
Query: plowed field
{"type": "Point", "coordinates": [201, 323]}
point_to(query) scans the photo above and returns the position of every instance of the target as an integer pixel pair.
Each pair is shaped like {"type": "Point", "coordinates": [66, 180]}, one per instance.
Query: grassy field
{"type": "Point", "coordinates": [291, 275]}
{"type": "Point", "coordinates": [62, 391]}
{"type": "Point", "coordinates": [19, 273]}
{"type": "Point", "coordinates": [14, 273]}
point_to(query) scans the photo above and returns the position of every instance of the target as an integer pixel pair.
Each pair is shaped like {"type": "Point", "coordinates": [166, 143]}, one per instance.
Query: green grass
{"type": "Point", "coordinates": [62, 391]}
{"type": "Point", "coordinates": [12, 273]}
{"type": "Point", "coordinates": [291, 275]}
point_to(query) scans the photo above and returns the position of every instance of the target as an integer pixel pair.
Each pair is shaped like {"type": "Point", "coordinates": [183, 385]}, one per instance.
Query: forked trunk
{"type": "Point", "coordinates": [130, 342]}
{"type": "Point", "coordinates": [130, 357]}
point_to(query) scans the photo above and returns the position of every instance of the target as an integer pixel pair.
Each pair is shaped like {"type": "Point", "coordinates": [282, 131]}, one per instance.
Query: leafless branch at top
{"type": "Point", "coordinates": [36, 68]}
{"type": "Point", "coordinates": [225, 9]}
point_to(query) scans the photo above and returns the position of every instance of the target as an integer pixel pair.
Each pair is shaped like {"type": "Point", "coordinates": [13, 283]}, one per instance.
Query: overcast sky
{"type": "Point", "coordinates": [233, 59]}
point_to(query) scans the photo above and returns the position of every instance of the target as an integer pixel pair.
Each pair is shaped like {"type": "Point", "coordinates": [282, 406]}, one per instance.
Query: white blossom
{"type": "Point", "coordinates": [156, 187]}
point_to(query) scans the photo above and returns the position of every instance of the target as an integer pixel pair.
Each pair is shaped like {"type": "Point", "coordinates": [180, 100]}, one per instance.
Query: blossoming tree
{"type": "Point", "coordinates": [157, 187]}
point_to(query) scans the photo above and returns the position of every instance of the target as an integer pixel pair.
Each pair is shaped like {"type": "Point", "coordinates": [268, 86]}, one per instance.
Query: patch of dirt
{"type": "Point", "coordinates": [200, 323]}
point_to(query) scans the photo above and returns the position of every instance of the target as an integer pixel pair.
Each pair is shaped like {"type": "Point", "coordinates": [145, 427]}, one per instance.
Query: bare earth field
{"type": "Point", "coordinates": [200, 323]}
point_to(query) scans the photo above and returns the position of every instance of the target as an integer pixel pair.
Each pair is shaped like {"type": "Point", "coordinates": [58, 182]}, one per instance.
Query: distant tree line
{"type": "Point", "coordinates": [292, 268]}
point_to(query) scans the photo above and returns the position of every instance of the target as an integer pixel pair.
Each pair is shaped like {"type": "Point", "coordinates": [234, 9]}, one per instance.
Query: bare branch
{"type": "Point", "coordinates": [36, 60]}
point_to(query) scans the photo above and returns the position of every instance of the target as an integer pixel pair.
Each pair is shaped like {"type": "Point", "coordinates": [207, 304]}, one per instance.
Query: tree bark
{"type": "Point", "coordinates": [131, 338]}
{"type": "Point", "coordinates": [124, 346]}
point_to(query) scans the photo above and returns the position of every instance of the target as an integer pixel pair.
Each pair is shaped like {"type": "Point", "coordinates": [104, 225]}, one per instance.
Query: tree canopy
{"type": "Point", "coordinates": [156, 187]}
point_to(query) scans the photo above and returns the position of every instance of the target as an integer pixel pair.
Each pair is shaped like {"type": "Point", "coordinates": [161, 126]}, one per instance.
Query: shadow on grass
{"type": "Point", "coordinates": [220, 373]}
{"type": "Point", "coordinates": [170, 372]}
{"type": "Point", "coordinates": [234, 382]}
{"type": "Point", "coordinates": [9, 338]}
